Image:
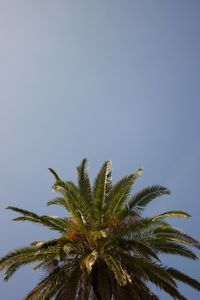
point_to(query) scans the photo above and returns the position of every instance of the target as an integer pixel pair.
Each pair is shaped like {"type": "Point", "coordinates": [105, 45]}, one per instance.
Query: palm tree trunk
{"type": "Point", "coordinates": [97, 294]}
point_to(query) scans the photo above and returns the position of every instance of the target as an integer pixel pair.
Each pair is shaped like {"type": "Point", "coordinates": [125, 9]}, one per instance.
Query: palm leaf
{"type": "Point", "coordinates": [51, 222]}
{"type": "Point", "coordinates": [54, 173]}
{"type": "Point", "coordinates": [80, 203]}
{"type": "Point", "coordinates": [58, 201]}
{"type": "Point", "coordinates": [175, 233]}
{"type": "Point", "coordinates": [120, 191]}
{"type": "Point", "coordinates": [71, 203]}
{"type": "Point", "coordinates": [71, 283]}
{"type": "Point", "coordinates": [172, 213]}
{"type": "Point", "coordinates": [180, 276]}
{"type": "Point", "coordinates": [101, 188]}
{"type": "Point", "coordinates": [137, 247]}
{"type": "Point", "coordinates": [84, 181]}
{"type": "Point", "coordinates": [15, 259]}
{"type": "Point", "coordinates": [114, 264]}
{"type": "Point", "coordinates": [170, 247]}
{"type": "Point", "coordinates": [145, 196]}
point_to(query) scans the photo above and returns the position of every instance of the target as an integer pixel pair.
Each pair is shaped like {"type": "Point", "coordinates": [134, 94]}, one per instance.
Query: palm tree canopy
{"type": "Point", "coordinates": [105, 248]}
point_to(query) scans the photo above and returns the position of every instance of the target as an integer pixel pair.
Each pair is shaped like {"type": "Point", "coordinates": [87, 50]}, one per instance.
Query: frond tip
{"type": "Point", "coordinates": [172, 213]}
{"type": "Point", "coordinates": [54, 173]}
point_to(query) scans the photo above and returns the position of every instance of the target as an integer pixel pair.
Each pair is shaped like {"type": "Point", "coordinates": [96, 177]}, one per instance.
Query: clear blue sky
{"type": "Point", "coordinates": [105, 79]}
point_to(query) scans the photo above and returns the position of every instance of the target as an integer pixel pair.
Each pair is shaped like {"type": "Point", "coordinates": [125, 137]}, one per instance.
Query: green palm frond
{"type": "Point", "coordinates": [114, 264]}
{"type": "Point", "coordinates": [166, 233]}
{"type": "Point", "coordinates": [23, 212]}
{"type": "Point", "coordinates": [145, 196]}
{"type": "Point", "coordinates": [26, 254]}
{"type": "Point", "coordinates": [137, 227]}
{"type": "Point", "coordinates": [71, 203]}
{"type": "Point", "coordinates": [180, 276]}
{"type": "Point", "coordinates": [157, 274]}
{"type": "Point", "coordinates": [134, 246]}
{"type": "Point", "coordinates": [84, 181]}
{"type": "Point", "coordinates": [60, 282]}
{"type": "Point", "coordinates": [172, 213]}
{"type": "Point", "coordinates": [101, 189]}
{"type": "Point", "coordinates": [54, 173]}
{"type": "Point", "coordinates": [81, 204]}
{"type": "Point", "coordinates": [48, 287]}
{"type": "Point", "coordinates": [170, 247]}
{"type": "Point", "coordinates": [77, 205]}
{"type": "Point", "coordinates": [151, 270]}
{"type": "Point", "coordinates": [44, 244]}
{"type": "Point", "coordinates": [121, 191]}
{"type": "Point", "coordinates": [54, 223]}
{"type": "Point", "coordinates": [58, 201]}
{"type": "Point", "coordinates": [15, 259]}
{"type": "Point", "coordinates": [38, 266]}
{"type": "Point", "coordinates": [169, 289]}
{"type": "Point", "coordinates": [11, 270]}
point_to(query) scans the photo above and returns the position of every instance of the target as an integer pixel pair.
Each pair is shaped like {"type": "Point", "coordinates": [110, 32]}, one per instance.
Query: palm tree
{"type": "Point", "coordinates": [105, 249]}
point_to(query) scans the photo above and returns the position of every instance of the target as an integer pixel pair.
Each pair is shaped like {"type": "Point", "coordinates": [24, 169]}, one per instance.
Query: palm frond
{"type": "Point", "coordinates": [172, 213]}
{"type": "Point", "coordinates": [157, 274]}
{"type": "Point", "coordinates": [54, 173]}
{"type": "Point", "coordinates": [122, 188]}
{"type": "Point", "coordinates": [137, 247]}
{"type": "Point", "coordinates": [140, 200]}
{"type": "Point", "coordinates": [45, 244]}
{"type": "Point", "coordinates": [11, 270]}
{"type": "Point", "coordinates": [101, 188]}
{"type": "Point", "coordinates": [74, 195]}
{"type": "Point", "coordinates": [180, 276]}
{"type": "Point", "coordinates": [53, 223]}
{"type": "Point", "coordinates": [15, 259]}
{"type": "Point", "coordinates": [23, 211]}
{"type": "Point", "coordinates": [47, 287]}
{"type": "Point", "coordinates": [167, 232]}
{"type": "Point", "coordinates": [170, 247]}
{"type": "Point", "coordinates": [65, 189]}
{"type": "Point", "coordinates": [138, 227]}
{"type": "Point", "coordinates": [84, 181]}
{"type": "Point", "coordinates": [120, 191]}
{"type": "Point", "coordinates": [71, 283]}
{"type": "Point", "coordinates": [61, 282]}
{"type": "Point", "coordinates": [114, 264]}
{"type": "Point", "coordinates": [58, 201]}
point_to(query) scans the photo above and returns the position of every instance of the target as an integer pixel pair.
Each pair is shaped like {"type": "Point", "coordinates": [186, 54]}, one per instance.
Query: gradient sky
{"type": "Point", "coordinates": [105, 79]}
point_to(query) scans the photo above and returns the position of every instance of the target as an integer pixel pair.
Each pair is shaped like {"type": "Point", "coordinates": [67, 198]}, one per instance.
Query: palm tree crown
{"type": "Point", "coordinates": [105, 248]}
